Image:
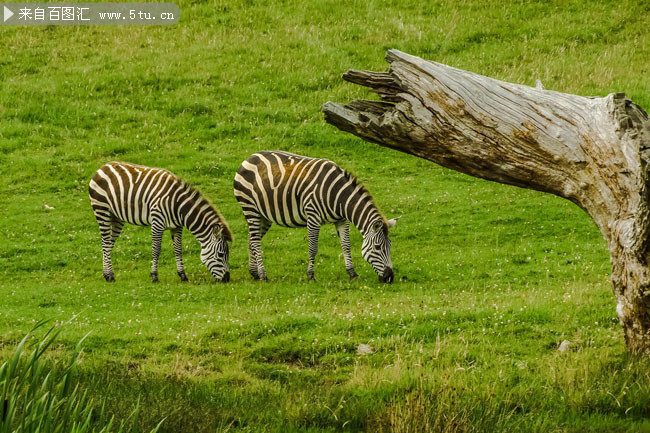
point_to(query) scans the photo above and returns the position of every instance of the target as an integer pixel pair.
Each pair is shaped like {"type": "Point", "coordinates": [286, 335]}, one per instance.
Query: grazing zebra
{"type": "Point", "coordinates": [297, 191]}
{"type": "Point", "coordinates": [122, 192]}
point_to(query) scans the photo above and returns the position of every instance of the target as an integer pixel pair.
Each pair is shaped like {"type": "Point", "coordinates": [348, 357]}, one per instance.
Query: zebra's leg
{"type": "Point", "coordinates": [157, 229]}
{"type": "Point", "coordinates": [177, 238]}
{"type": "Point", "coordinates": [313, 229]}
{"type": "Point", "coordinates": [257, 229]}
{"type": "Point", "coordinates": [107, 247]}
{"type": "Point", "coordinates": [110, 232]}
{"type": "Point", "coordinates": [106, 231]}
{"type": "Point", "coordinates": [116, 229]}
{"type": "Point", "coordinates": [109, 229]}
{"type": "Point", "coordinates": [252, 258]}
{"type": "Point", "coordinates": [264, 228]}
{"type": "Point", "coordinates": [343, 230]}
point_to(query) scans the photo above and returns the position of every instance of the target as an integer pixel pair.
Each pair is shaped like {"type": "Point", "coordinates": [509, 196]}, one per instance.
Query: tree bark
{"type": "Point", "coordinates": [590, 150]}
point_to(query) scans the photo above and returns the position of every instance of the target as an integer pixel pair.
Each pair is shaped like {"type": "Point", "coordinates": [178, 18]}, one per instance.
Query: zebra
{"type": "Point", "coordinates": [297, 191]}
{"type": "Point", "coordinates": [123, 192]}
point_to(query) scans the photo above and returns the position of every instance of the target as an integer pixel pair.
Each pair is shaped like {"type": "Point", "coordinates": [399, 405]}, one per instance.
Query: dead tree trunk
{"type": "Point", "coordinates": [592, 151]}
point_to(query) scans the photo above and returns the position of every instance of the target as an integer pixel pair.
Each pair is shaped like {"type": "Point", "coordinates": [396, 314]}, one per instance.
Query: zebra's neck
{"type": "Point", "coordinates": [197, 214]}
{"type": "Point", "coordinates": [359, 208]}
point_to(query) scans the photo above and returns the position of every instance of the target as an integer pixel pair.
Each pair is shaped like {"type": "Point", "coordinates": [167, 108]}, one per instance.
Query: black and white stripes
{"type": "Point", "coordinates": [298, 191]}
{"type": "Point", "coordinates": [122, 192]}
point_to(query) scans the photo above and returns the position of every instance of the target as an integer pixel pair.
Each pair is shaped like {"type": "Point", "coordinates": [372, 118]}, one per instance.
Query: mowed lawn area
{"type": "Point", "coordinates": [489, 279]}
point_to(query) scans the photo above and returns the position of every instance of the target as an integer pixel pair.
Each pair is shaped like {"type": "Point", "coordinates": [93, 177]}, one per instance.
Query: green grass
{"type": "Point", "coordinates": [490, 278]}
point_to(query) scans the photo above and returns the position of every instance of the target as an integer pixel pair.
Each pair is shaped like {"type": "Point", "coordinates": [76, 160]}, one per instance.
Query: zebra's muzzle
{"type": "Point", "coordinates": [226, 277]}
{"type": "Point", "coordinates": [388, 276]}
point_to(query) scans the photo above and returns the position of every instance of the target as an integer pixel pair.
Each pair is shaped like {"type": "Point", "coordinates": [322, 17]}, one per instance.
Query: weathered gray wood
{"type": "Point", "coordinates": [592, 151]}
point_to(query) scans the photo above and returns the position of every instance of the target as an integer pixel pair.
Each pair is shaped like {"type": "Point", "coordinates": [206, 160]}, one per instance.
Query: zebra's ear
{"type": "Point", "coordinates": [392, 222]}
{"type": "Point", "coordinates": [219, 231]}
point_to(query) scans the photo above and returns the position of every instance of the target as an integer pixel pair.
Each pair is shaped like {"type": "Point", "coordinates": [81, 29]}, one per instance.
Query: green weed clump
{"type": "Point", "coordinates": [36, 397]}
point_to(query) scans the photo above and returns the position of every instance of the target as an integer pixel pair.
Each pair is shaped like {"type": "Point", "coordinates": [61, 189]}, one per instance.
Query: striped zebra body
{"type": "Point", "coordinates": [298, 191]}
{"type": "Point", "coordinates": [121, 193]}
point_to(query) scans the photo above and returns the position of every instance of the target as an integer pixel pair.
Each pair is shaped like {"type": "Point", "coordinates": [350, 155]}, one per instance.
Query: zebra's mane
{"type": "Point", "coordinates": [356, 181]}
{"type": "Point", "coordinates": [227, 234]}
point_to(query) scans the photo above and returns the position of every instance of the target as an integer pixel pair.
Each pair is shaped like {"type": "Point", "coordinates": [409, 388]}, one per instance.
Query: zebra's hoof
{"type": "Point", "coordinates": [261, 275]}
{"type": "Point", "coordinates": [110, 278]}
{"type": "Point", "coordinates": [354, 276]}
{"type": "Point", "coordinates": [311, 277]}
{"type": "Point", "coordinates": [154, 278]}
{"type": "Point", "coordinates": [183, 276]}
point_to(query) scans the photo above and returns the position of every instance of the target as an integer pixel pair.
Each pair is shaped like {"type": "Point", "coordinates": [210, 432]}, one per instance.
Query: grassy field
{"type": "Point", "coordinates": [489, 279]}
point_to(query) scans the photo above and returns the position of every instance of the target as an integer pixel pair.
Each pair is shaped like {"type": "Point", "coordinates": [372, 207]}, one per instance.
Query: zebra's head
{"type": "Point", "coordinates": [376, 249]}
{"type": "Point", "coordinates": [214, 253]}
